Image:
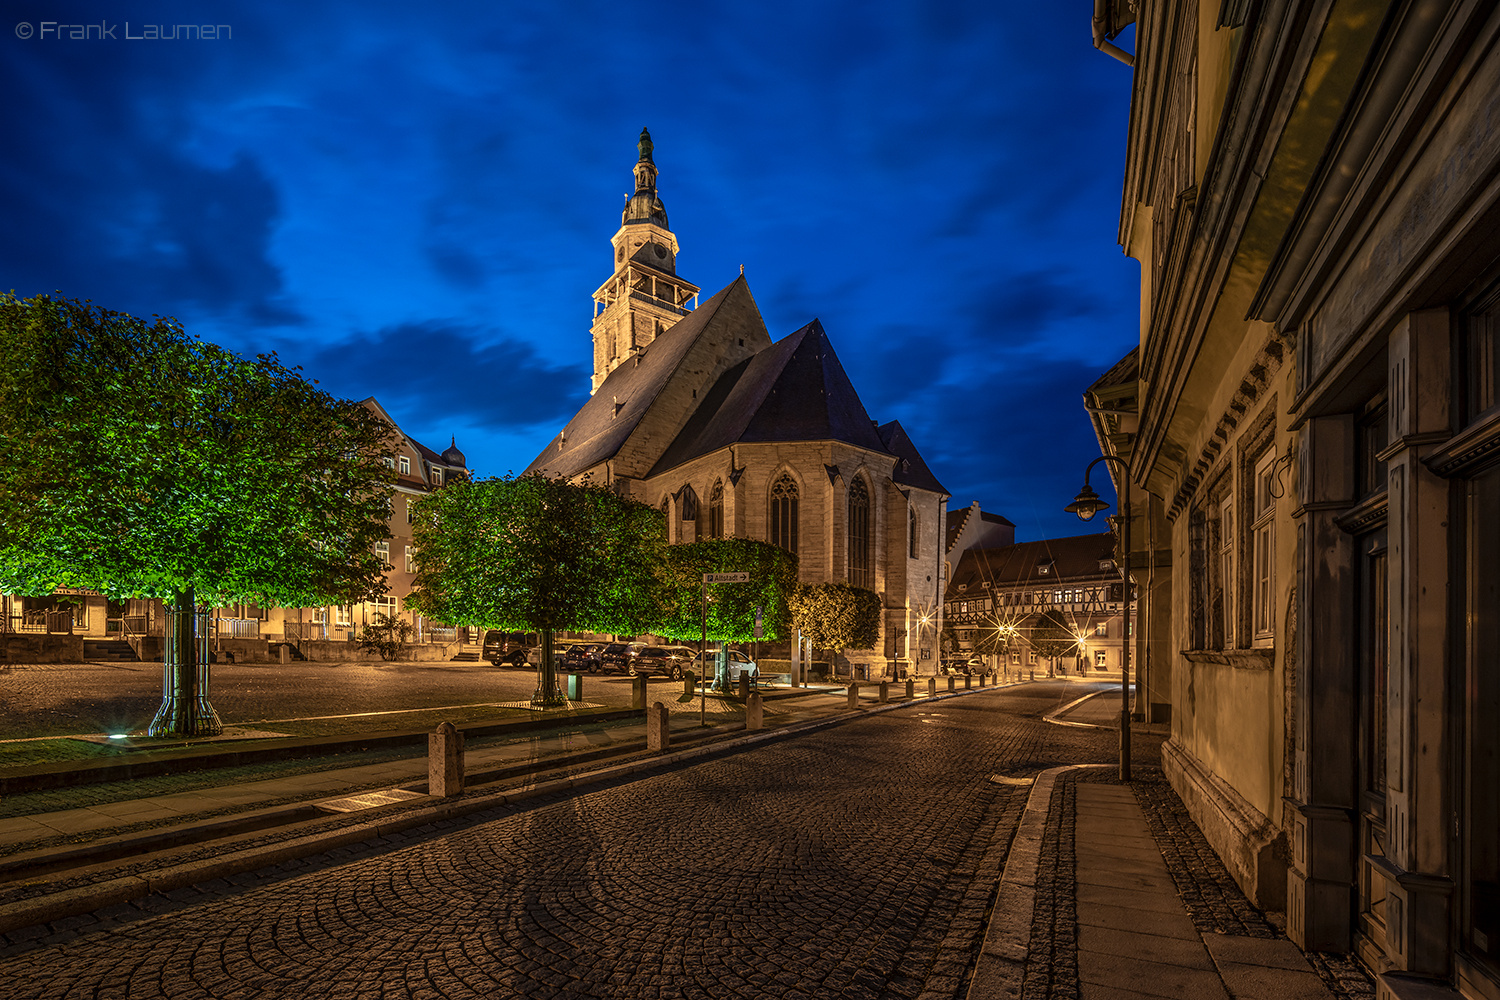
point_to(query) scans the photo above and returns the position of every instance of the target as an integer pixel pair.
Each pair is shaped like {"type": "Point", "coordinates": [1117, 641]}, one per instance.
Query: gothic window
{"type": "Point", "coordinates": [689, 504]}
{"type": "Point", "coordinates": [666, 507]}
{"type": "Point", "coordinates": [784, 513]}
{"type": "Point", "coordinates": [860, 574]}
{"type": "Point", "coordinates": [911, 532]}
{"type": "Point", "coordinates": [716, 511]}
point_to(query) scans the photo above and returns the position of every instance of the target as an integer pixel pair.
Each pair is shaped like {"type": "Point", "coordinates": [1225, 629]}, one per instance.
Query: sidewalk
{"type": "Point", "coordinates": [1110, 893]}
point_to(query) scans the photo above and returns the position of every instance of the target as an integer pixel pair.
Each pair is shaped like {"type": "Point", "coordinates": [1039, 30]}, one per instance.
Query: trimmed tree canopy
{"type": "Point", "coordinates": [1052, 635]}
{"type": "Point", "coordinates": [837, 616]}
{"type": "Point", "coordinates": [537, 553]}
{"type": "Point", "coordinates": [731, 608]}
{"type": "Point", "coordinates": [138, 461]}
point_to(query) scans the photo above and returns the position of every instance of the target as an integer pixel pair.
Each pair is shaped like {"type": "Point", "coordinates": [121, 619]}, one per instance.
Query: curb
{"type": "Point", "coordinates": [122, 889]}
{"type": "Point", "coordinates": [1054, 715]}
{"type": "Point", "coordinates": [1000, 970]}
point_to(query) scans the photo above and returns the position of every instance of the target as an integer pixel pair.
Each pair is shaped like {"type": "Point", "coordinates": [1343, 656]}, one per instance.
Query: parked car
{"type": "Point", "coordinates": [682, 659]}
{"type": "Point", "coordinates": [559, 655]}
{"type": "Point", "coordinates": [738, 663]}
{"type": "Point", "coordinates": [583, 656]}
{"type": "Point", "coordinates": [505, 647]}
{"type": "Point", "coordinates": [651, 660]}
{"type": "Point", "coordinates": [618, 656]}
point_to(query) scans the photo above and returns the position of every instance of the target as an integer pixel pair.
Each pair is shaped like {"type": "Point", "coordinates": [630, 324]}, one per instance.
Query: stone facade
{"type": "Point", "coordinates": [1311, 193]}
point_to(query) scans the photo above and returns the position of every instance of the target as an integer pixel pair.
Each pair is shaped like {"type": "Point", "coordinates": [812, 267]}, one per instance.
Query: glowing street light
{"type": "Point", "coordinates": [1086, 505]}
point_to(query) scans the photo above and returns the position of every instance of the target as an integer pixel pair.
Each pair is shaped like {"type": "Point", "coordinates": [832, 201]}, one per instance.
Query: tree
{"type": "Point", "coordinates": [837, 616]}
{"type": "Point", "coordinates": [1052, 635]}
{"type": "Point", "coordinates": [538, 554]}
{"type": "Point", "coordinates": [386, 635]}
{"type": "Point", "coordinates": [141, 462]}
{"type": "Point", "coordinates": [730, 612]}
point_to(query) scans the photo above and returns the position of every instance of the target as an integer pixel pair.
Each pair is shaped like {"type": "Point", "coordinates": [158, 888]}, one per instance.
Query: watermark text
{"type": "Point", "coordinates": [105, 31]}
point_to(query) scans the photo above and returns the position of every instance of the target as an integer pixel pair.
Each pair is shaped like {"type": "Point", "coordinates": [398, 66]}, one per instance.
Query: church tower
{"type": "Point", "coordinates": [644, 296]}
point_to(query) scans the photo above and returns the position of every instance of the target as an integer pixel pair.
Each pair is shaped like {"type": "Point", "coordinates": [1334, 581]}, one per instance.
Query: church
{"type": "Point", "coordinates": [695, 410]}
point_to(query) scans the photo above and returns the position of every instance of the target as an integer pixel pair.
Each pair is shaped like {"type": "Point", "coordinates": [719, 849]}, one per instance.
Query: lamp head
{"type": "Point", "coordinates": [1086, 504]}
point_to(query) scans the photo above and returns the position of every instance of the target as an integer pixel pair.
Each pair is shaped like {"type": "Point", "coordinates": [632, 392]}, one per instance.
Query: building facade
{"type": "Point", "coordinates": [1313, 194]}
{"type": "Point", "coordinates": [730, 434]}
{"type": "Point", "coordinates": [1053, 605]}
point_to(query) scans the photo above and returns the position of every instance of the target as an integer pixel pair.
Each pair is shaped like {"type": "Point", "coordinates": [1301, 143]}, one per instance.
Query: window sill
{"type": "Point", "coordinates": [1240, 659]}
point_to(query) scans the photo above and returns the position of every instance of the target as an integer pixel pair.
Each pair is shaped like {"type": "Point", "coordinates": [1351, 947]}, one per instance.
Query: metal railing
{"type": "Point", "coordinates": [237, 628]}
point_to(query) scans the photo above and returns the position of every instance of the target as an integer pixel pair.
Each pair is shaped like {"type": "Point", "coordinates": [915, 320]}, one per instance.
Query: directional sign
{"type": "Point", "coordinates": [726, 577]}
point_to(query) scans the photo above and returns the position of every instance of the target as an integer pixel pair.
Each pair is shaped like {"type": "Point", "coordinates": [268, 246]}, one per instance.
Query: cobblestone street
{"type": "Point", "coordinates": [857, 861]}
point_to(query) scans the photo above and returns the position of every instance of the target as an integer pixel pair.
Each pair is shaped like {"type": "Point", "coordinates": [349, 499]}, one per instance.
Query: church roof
{"type": "Point", "coordinates": [911, 470]}
{"type": "Point", "coordinates": [605, 423]}
{"type": "Point", "coordinates": [794, 390]}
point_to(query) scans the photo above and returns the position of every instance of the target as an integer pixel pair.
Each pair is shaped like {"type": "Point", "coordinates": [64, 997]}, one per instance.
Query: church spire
{"type": "Point", "coordinates": [644, 297]}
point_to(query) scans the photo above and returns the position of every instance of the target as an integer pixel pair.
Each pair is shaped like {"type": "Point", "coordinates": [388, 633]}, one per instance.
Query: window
{"type": "Point", "coordinates": [385, 605]}
{"type": "Point", "coordinates": [1101, 659]}
{"type": "Point", "coordinates": [1101, 629]}
{"type": "Point", "coordinates": [343, 614]}
{"type": "Point", "coordinates": [409, 514]}
{"type": "Point", "coordinates": [383, 552]}
{"type": "Point", "coordinates": [411, 565]}
{"type": "Point", "coordinates": [689, 502]}
{"type": "Point", "coordinates": [1262, 532]}
{"type": "Point", "coordinates": [437, 476]}
{"type": "Point", "coordinates": [860, 574]}
{"type": "Point", "coordinates": [1226, 569]}
{"type": "Point", "coordinates": [784, 513]}
{"type": "Point", "coordinates": [390, 463]}
{"type": "Point", "coordinates": [405, 465]}
{"type": "Point", "coordinates": [716, 511]}
{"type": "Point", "coordinates": [911, 531]}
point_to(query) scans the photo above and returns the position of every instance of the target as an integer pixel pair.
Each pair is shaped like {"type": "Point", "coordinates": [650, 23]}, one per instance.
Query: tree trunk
{"type": "Point", "coordinates": [185, 710]}
{"type": "Point", "coordinates": [548, 695]}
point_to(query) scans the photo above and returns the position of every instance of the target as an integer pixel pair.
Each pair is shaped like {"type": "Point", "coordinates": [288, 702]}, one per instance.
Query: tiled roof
{"type": "Point", "coordinates": [1068, 560]}
{"type": "Point", "coordinates": [911, 470]}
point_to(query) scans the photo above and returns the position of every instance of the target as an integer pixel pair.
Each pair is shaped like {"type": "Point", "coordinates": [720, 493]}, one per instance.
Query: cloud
{"type": "Point", "coordinates": [437, 367]}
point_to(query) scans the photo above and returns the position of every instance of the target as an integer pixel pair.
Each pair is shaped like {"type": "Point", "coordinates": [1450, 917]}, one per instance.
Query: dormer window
{"type": "Point", "coordinates": [1106, 565]}
{"type": "Point", "coordinates": [405, 465]}
{"type": "Point", "coordinates": [1045, 567]}
{"type": "Point", "coordinates": [963, 587]}
{"type": "Point", "coordinates": [437, 476]}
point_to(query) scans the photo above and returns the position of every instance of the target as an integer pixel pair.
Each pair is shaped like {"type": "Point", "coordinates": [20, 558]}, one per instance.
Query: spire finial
{"type": "Point", "coordinates": [645, 146]}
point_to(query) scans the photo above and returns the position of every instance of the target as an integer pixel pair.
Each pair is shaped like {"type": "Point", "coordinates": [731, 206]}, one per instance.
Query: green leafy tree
{"type": "Point", "coordinates": [1052, 635]}
{"type": "Point", "coordinates": [538, 554]}
{"type": "Point", "coordinates": [140, 462]}
{"type": "Point", "coordinates": [837, 616]}
{"type": "Point", "coordinates": [386, 635]}
{"type": "Point", "coordinates": [729, 615]}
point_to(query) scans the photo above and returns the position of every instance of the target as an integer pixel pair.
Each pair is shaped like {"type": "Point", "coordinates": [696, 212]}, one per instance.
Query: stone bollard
{"type": "Point", "coordinates": [689, 682]}
{"type": "Point", "coordinates": [285, 654]}
{"type": "Point", "coordinates": [658, 734]}
{"type": "Point", "coordinates": [950, 682]}
{"type": "Point", "coordinates": [885, 692]}
{"type": "Point", "coordinates": [932, 687]}
{"type": "Point", "coordinates": [638, 691]}
{"type": "Point", "coordinates": [744, 685]}
{"type": "Point", "coordinates": [853, 695]}
{"type": "Point", "coordinates": [911, 690]}
{"type": "Point", "coordinates": [1033, 675]}
{"type": "Point", "coordinates": [754, 718]}
{"type": "Point", "coordinates": [981, 680]}
{"type": "Point", "coordinates": [968, 682]}
{"type": "Point", "coordinates": [574, 688]}
{"type": "Point", "coordinates": [445, 761]}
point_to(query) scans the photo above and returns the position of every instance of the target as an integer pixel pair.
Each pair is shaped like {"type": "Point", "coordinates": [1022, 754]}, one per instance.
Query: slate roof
{"type": "Point", "coordinates": [604, 423]}
{"type": "Point", "coordinates": [1073, 558]}
{"type": "Point", "coordinates": [911, 470]}
{"type": "Point", "coordinates": [794, 390]}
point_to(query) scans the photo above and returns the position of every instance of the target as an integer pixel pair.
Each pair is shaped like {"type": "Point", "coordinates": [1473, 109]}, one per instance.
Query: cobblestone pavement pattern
{"type": "Point", "coordinates": [856, 861]}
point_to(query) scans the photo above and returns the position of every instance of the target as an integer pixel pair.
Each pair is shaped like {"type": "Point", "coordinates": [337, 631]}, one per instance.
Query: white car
{"type": "Point", "coordinates": [739, 663]}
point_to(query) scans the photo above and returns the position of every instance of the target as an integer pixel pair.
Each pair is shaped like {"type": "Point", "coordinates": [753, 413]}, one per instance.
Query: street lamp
{"type": "Point", "coordinates": [1086, 505]}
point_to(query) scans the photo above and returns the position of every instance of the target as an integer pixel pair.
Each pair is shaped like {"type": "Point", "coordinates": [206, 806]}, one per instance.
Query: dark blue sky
{"type": "Point", "coordinates": [415, 201]}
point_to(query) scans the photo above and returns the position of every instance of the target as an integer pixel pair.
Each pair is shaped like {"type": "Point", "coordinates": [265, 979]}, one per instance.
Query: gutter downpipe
{"type": "Point", "coordinates": [1103, 44]}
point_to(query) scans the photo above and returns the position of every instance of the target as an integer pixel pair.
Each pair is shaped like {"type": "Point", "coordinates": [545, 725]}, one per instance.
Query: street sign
{"type": "Point", "coordinates": [726, 577]}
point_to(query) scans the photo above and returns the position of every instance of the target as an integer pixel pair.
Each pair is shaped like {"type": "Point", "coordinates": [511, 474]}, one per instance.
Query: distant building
{"type": "Point", "coordinates": [1003, 601]}
{"type": "Point", "coordinates": [970, 528]}
{"type": "Point", "coordinates": [697, 412]}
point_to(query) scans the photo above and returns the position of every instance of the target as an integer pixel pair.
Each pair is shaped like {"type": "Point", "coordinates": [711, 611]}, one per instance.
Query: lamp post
{"type": "Point", "coordinates": [1086, 505]}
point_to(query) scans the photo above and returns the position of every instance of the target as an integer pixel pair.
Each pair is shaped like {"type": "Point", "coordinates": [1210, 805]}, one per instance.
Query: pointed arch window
{"type": "Point", "coordinates": [784, 513]}
{"type": "Point", "coordinates": [911, 532]}
{"type": "Point", "coordinates": [666, 516]}
{"type": "Point", "coordinates": [716, 511]}
{"type": "Point", "coordinates": [689, 501]}
{"type": "Point", "coordinates": [860, 571]}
